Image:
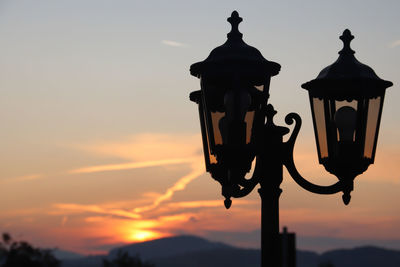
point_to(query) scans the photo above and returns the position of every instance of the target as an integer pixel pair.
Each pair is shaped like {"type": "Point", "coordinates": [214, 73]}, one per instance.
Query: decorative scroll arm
{"type": "Point", "coordinates": [291, 167]}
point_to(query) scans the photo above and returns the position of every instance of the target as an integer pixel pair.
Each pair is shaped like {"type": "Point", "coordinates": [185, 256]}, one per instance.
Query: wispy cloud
{"type": "Point", "coordinates": [199, 204]}
{"type": "Point", "coordinates": [394, 44]}
{"type": "Point", "coordinates": [29, 177]}
{"type": "Point", "coordinates": [150, 150]}
{"type": "Point", "coordinates": [173, 43]}
{"type": "Point", "coordinates": [23, 178]}
{"type": "Point", "coordinates": [197, 170]}
{"type": "Point", "coordinates": [147, 147]}
{"type": "Point", "coordinates": [96, 209]}
{"type": "Point", "coordinates": [64, 220]}
{"type": "Point", "coordinates": [131, 165]}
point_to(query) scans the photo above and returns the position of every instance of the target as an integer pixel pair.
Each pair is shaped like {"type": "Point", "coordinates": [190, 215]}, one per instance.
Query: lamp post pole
{"type": "Point", "coordinates": [271, 177]}
{"type": "Point", "coordinates": [237, 126]}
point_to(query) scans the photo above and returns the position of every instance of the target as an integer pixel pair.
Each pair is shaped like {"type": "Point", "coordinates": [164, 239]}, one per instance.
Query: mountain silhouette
{"type": "Point", "coordinates": [192, 251]}
{"type": "Point", "coordinates": [66, 255]}
{"type": "Point", "coordinates": [170, 246]}
{"type": "Point", "coordinates": [362, 257]}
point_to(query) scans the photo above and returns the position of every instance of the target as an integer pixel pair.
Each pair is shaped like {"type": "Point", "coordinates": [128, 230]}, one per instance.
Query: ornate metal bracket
{"type": "Point", "coordinates": [291, 167]}
{"type": "Point", "coordinates": [245, 186]}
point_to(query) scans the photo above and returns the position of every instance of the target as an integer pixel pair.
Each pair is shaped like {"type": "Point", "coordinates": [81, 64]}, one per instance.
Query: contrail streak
{"type": "Point", "coordinates": [173, 43]}
{"type": "Point", "coordinates": [131, 165]}
{"type": "Point", "coordinates": [96, 209]}
{"type": "Point", "coordinates": [23, 178]}
{"type": "Point", "coordinates": [197, 170]}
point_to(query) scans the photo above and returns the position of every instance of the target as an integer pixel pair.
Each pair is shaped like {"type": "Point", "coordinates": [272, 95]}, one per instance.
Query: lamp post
{"type": "Point", "coordinates": [237, 126]}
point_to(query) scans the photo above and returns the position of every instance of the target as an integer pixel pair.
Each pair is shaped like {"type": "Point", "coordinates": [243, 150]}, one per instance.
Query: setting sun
{"type": "Point", "coordinates": [143, 235]}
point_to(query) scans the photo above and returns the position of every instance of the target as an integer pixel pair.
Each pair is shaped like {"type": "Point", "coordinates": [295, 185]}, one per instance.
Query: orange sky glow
{"type": "Point", "coordinates": [178, 209]}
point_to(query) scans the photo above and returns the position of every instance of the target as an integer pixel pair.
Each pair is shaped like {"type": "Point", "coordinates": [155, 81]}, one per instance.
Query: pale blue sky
{"type": "Point", "coordinates": [95, 59]}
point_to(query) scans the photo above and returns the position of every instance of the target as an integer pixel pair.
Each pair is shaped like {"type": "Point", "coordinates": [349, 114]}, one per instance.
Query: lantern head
{"type": "Point", "coordinates": [346, 104]}
{"type": "Point", "coordinates": [234, 82]}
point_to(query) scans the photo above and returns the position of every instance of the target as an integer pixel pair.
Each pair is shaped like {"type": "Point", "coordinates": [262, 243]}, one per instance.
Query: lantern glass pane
{"type": "Point", "coordinates": [249, 119]}
{"type": "Point", "coordinates": [259, 87]}
{"type": "Point", "coordinates": [218, 124]}
{"type": "Point", "coordinates": [345, 117]}
{"type": "Point", "coordinates": [209, 158]}
{"type": "Point", "coordinates": [372, 126]}
{"type": "Point", "coordinates": [212, 159]}
{"type": "Point", "coordinates": [212, 97]}
{"type": "Point", "coordinates": [320, 126]}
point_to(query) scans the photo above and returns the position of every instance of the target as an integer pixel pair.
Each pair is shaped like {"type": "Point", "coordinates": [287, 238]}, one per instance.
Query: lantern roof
{"type": "Point", "coordinates": [347, 76]}
{"type": "Point", "coordinates": [235, 57]}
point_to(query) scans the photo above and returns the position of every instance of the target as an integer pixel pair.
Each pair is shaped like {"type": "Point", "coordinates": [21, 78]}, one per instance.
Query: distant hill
{"type": "Point", "coordinates": [66, 255]}
{"type": "Point", "coordinates": [191, 251]}
{"type": "Point", "coordinates": [88, 261]}
{"type": "Point", "coordinates": [363, 257]}
{"type": "Point", "coordinates": [169, 246]}
{"type": "Point", "coordinates": [232, 257]}
{"type": "Point", "coordinates": [152, 250]}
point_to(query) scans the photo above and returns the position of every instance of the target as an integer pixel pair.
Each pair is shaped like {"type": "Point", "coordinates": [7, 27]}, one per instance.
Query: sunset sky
{"type": "Point", "coordinates": [100, 145]}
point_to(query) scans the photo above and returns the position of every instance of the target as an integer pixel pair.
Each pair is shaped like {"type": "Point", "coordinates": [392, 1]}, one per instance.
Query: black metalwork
{"type": "Point", "coordinates": [237, 126]}
{"type": "Point", "coordinates": [346, 103]}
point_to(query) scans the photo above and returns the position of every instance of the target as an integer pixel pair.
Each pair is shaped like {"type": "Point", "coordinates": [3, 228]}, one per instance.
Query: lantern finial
{"type": "Point", "coordinates": [234, 20]}
{"type": "Point", "coordinates": [346, 38]}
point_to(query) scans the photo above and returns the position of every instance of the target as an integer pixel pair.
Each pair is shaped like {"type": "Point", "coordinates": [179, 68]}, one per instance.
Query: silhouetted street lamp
{"type": "Point", "coordinates": [237, 126]}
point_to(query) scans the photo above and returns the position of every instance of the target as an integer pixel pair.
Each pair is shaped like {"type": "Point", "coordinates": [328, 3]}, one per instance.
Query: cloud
{"type": "Point", "coordinates": [64, 220]}
{"type": "Point", "coordinates": [23, 178]}
{"type": "Point", "coordinates": [96, 209]}
{"type": "Point", "coordinates": [173, 43]}
{"type": "Point", "coordinates": [143, 217]}
{"type": "Point", "coordinates": [147, 147]}
{"type": "Point", "coordinates": [197, 170]}
{"type": "Point", "coordinates": [150, 150]}
{"type": "Point", "coordinates": [198, 204]}
{"type": "Point", "coordinates": [131, 165]}
{"type": "Point", "coordinates": [394, 44]}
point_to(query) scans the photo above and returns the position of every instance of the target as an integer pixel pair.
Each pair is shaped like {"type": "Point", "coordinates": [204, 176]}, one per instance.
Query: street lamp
{"type": "Point", "coordinates": [346, 104]}
{"type": "Point", "coordinates": [234, 85]}
{"type": "Point", "coordinates": [237, 126]}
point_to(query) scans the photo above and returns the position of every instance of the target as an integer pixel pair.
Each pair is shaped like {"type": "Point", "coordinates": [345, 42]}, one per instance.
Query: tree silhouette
{"type": "Point", "coordinates": [123, 259]}
{"type": "Point", "coordinates": [22, 254]}
{"type": "Point", "coordinates": [326, 264]}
